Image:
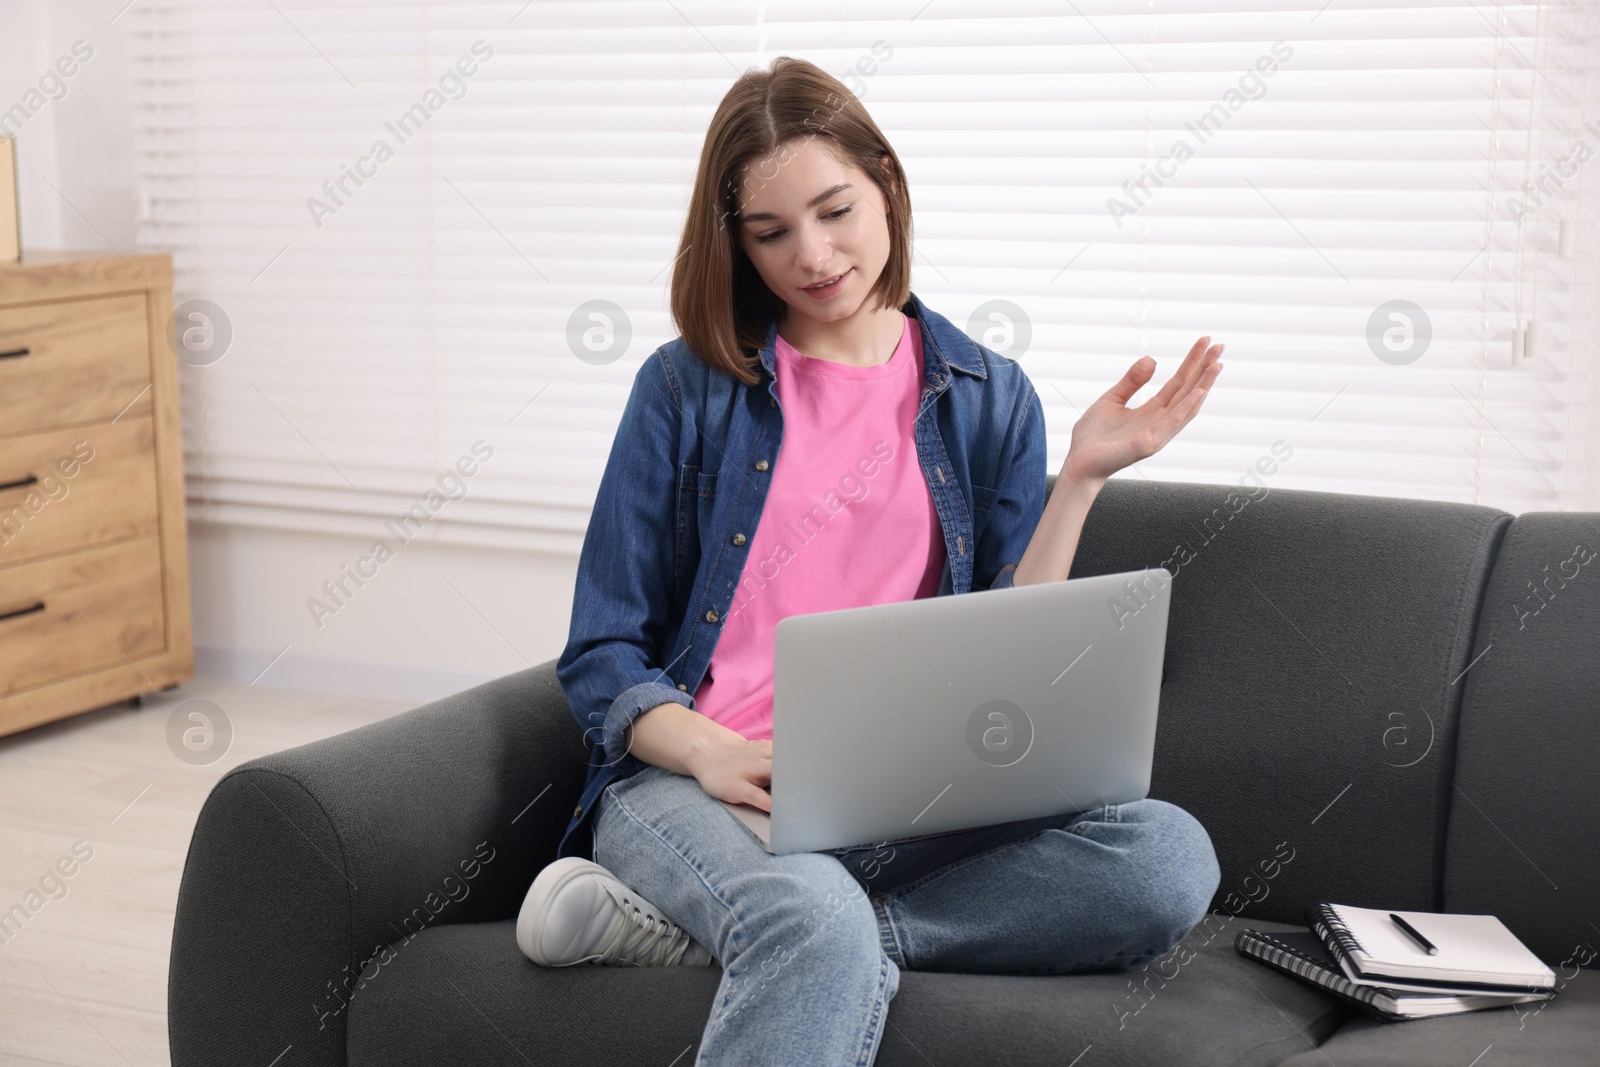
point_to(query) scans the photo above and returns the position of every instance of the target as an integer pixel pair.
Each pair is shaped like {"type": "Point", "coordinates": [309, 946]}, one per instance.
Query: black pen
{"type": "Point", "coordinates": [1411, 932]}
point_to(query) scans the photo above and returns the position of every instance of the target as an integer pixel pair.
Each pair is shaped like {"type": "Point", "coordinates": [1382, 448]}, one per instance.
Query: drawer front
{"type": "Point", "coordinates": [69, 489]}
{"type": "Point", "coordinates": [78, 613]}
{"type": "Point", "coordinates": [76, 361]}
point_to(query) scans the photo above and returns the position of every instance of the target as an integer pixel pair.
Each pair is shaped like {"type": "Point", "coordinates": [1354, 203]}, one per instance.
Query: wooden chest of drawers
{"type": "Point", "coordinates": [94, 586]}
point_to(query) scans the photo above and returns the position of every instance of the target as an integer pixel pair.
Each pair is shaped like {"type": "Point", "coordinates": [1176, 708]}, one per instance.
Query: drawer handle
{"type": "Point", "coordinates": [14, 353]}
{"type": "Point", "coordinates": [22, 611]}
{"type": "Point", "coordinates": [21, 483]}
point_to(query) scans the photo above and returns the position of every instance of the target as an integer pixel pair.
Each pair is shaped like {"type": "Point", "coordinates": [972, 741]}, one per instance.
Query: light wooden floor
{"type": "Point", "coordinates": [84, 983]}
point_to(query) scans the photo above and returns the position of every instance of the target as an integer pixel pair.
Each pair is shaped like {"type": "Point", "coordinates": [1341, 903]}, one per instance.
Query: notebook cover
{"type": "Point", "coordinates": [1285, 959]}
{"type": "Point", "coordinates": [1304, 958]}
{"type": "Point", "coordinates": [1360, 966]}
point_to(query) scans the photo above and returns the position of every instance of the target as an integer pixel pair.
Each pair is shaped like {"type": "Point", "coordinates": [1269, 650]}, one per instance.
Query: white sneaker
{"type": "Point", "coordinates": [577, 912]}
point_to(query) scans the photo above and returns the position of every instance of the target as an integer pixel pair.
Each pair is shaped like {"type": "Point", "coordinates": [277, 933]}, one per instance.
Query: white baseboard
{"type": "Point", "coordinates": [313, 674]}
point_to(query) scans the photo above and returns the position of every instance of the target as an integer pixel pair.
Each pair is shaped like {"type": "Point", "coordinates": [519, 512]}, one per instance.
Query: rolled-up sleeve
{"type": "Point", "coordinates": [609, 669]}
{"type": "Point", "coordinates": [1019, 495]}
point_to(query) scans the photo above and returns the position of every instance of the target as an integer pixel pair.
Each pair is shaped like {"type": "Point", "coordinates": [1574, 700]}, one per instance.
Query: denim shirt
{"type": "Point", "coordinates": [682, 492]}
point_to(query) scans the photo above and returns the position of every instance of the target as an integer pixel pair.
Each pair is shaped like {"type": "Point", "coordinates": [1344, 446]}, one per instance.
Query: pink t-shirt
{"type": "Point", "coordinates": [848, 499]}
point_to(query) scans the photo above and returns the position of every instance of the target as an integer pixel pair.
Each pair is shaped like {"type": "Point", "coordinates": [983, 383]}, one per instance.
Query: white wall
{"type": "Point", "coordinates": [435, 619]}
{"type": "Point", "coordinates": [24, 55]}
{"type": "Point", "coordinates": [82, 143]}
{"type": "Point", "coordinates": [408, 633]}
{"type": "Point", "coordinates": [1589, 496]}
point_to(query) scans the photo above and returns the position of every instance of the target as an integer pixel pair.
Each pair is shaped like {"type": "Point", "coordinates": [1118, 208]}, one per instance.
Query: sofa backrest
{"type": "Point", "coordinates": [1315, 649]}
{"type": "Point", "coordinates": [1524, 835]}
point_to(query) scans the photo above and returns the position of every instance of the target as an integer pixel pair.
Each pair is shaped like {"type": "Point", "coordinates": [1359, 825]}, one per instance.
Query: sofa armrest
{"type": "Point", "coordinates": [1524, 833]}
{"type": "Point", "coordinates": [310, 869]}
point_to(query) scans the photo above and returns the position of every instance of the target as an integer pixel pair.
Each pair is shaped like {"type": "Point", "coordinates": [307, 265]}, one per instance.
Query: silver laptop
{"type": "Point", "coordinates": [951, 712]}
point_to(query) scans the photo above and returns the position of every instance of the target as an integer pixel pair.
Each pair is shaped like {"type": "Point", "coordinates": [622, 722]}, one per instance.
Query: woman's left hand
{"type": "Point", "coordinates": [1111, 435]}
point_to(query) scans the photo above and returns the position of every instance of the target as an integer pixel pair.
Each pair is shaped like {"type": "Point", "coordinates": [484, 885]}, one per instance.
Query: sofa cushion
{"type": "Point", "coordinates": [1308, 709]}
{"type": "Point", "coordinates": [1524, 840]}
{"type": "Point", "coordinates": [1564, 1032]}
{"type": "Point", "coordinates": [465, 994]}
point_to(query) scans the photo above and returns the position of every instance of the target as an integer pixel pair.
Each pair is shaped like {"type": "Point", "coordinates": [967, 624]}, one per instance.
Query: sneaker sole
{"type": "Point", "coordinates": [536, 905]}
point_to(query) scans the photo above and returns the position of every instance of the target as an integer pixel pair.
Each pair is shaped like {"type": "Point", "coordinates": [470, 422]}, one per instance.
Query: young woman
{"type": "Point", "coordinates": [818, 439]}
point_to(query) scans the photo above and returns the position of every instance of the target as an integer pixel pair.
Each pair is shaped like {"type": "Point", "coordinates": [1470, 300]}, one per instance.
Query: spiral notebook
{"type": "Point", "coordinates": [1303, 957]}
{"type": "Point", "coordinates": [1474, 950]}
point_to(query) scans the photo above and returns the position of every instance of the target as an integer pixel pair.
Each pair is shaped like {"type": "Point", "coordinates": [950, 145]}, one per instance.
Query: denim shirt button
{"type": "Point", "coordinates": [761, 464]}
{"type": "Point", "coordinates": [683, 687]}
{"type": "Point", "coordinates": [711, 616]}
{"type": "Point", "coordinates": [577, 811]}
{"type": "Point", "coordinates": [738, 539]}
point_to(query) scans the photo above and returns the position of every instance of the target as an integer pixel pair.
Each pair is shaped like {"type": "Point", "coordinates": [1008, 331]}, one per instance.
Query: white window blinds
{"type": "Point", "coordinates": [405, 212]}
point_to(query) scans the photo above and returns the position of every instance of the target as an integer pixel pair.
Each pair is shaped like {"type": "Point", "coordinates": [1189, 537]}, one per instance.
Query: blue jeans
{"type": "Point", "coordinates": [812, 944]}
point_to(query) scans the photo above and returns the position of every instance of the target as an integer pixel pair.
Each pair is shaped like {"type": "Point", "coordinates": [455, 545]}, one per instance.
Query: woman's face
{"type": "Point", "coordinates": [805, 217]}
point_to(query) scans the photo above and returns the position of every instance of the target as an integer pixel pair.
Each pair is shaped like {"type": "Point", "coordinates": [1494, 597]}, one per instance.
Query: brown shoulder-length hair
{"type": "Point", "coordinates": [719, 302]}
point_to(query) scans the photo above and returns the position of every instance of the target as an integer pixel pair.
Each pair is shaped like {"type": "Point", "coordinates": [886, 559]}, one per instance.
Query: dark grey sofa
{"type": "Point", "coordinates": [1360, 704]}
